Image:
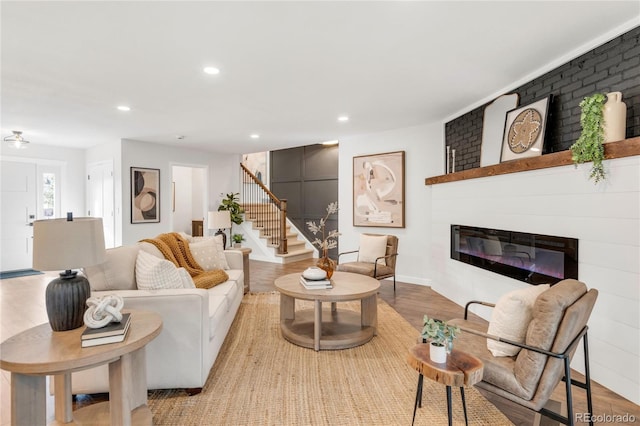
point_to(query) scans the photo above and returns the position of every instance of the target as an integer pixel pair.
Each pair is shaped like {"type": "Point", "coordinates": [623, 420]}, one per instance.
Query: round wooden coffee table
{"type": "Point", "coordinates": [461, 369]}
{"type": "Point", "coordinates": [334, 328]}
{"type": "Point", "coordinates": [35, 353]}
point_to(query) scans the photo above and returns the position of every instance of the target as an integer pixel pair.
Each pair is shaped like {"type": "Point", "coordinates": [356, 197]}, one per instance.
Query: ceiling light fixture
{"type": "Point", "coordinates": [343, 118]}
{"type": "Point", "coordinates": [211, 70]}
{"type": "Point", "coordinates": [16, 140]}
{"type": "Point", "coordinates": [124, 108]}
{"type": "Point", "coordinates": [255, 136]}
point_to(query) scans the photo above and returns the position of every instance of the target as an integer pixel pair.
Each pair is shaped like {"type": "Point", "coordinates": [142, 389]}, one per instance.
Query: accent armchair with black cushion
{"type": "Point", "coordinates": [526, 367]}
{"type": "Point", "coordinates": [376, 257]}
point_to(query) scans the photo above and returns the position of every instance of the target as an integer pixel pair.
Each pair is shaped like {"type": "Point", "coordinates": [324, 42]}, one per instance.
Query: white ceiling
{"type": "Point", "coordinates": [288, 69]}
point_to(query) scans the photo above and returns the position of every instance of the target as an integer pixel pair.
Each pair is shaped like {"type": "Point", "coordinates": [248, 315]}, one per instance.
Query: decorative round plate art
{"type": "Point", "coordinates": [524, 130]}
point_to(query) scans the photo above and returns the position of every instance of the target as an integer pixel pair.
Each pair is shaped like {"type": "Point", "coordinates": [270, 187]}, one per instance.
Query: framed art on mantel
{"type": "Point", "coordinates": [145, 195]}
{"type": "Point", "coordinates": [378, 190]}
{"type": "Point", "coordinates": [524, 131]}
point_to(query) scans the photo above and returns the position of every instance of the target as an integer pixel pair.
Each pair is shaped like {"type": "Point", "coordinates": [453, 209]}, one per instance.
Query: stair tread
{"type": "Point", "coordinates": [295, 253]}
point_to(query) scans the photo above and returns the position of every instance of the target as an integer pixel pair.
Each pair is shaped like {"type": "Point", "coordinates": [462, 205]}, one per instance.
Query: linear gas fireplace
{"type": "Point", "coordinates": [532, 258]}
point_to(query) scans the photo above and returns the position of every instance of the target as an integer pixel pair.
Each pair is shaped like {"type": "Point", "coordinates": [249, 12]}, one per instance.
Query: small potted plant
{"type": "Point", "coordinates": [237, 240]}
{"type": "Point", "coordinates": [440, 335]}
{"type": "Point", "coordinates": [589, 146]}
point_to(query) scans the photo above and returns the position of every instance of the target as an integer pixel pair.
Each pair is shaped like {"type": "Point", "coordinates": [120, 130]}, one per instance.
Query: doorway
{"type": "Point", "coordinates": [30, 190]}
{"type": "Point", "coordinates": [189, 201]}
{"type": "Point", "coordinates": [101, 198]}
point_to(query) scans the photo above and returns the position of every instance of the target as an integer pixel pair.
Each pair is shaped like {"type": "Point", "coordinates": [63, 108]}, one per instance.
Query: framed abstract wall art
{"type": "Point", "coordinates": [145, 195]}
{"type": "Point", "coordinates": [378, 190]}
{"type": "Point", "coordinates": [524, 130]}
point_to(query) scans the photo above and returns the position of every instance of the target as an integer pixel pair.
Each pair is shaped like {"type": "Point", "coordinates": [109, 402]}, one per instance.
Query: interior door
{"type": "Point", "coordinates": [101, 198]}
{"type": "Point", "coordinates": [18, 192]}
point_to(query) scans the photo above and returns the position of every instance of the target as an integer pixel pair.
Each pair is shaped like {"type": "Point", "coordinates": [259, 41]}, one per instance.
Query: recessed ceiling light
{"type": "Point", "coordinates": [211, 70]}
{"type": "Point", "coordinates": [124, 108]}
{"type": "Point", "coordinates": [255, 136]}
{"type": "Point", "coordinates": [343, 118]}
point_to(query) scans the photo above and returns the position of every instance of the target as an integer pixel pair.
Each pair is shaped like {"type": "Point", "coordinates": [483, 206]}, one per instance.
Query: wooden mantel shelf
{"type": "Point", "coordinates": [624, 148]}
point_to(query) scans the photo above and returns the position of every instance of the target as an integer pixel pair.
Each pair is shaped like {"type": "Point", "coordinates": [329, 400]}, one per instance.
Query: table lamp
{"type": "Point", "coordinates": [67, 244]}
{"type": "Point", "coordinates": [220, 220]}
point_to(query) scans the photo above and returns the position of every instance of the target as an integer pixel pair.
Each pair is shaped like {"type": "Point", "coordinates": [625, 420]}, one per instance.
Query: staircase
{"type": "Point", "coordinates": [263, 220]}
{"type": "Point", "coordinates": [266, 216]}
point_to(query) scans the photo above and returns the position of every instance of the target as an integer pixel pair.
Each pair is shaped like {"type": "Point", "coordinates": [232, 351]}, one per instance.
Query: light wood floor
{"type": "Point", "coordinates": [22, 307]}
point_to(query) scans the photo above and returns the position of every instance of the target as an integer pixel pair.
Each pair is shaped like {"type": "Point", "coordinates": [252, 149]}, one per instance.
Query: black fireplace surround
{"type": "Point", "coordinates": [532, 258]}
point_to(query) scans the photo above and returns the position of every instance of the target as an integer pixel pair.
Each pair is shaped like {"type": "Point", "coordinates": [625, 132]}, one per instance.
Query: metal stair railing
{"type": "Point", "coordinates": [265, 209]}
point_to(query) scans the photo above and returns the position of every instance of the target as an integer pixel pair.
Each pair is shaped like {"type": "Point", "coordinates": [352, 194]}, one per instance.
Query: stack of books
{"type": "Point", "coordinates": [113, 332]}
{"type": "Point", "coordinates": [315, 284]}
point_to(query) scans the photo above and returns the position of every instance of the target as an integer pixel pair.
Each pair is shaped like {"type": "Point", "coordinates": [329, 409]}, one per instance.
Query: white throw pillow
{"type": "Point", "coordinates": [511, 317]}
{"type": "Point", "coordinates": [372, 247]}
{"type": "Point", "coordinates": [209, 253]}
{"type": "Point", "coordinates": [153, 273]}
{"type": "Point", "coordinates": [187, 281]}
{"type": "Point", "coordinates": [117, 272]}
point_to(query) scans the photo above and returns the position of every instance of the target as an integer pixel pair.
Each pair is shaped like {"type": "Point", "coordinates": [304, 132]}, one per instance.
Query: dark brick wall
{"type": "Point", "coordinates": [612, 67]}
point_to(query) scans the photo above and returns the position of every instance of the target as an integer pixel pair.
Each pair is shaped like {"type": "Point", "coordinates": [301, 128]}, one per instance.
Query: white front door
{"type": "Point", "coordinates": [18, 192]}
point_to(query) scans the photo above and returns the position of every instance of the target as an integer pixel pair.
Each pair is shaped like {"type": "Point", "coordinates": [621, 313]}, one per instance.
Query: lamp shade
{"type": "Point", "coordinates": [220, 219]}
{"type": "Point", "coordinates": [61, 244]}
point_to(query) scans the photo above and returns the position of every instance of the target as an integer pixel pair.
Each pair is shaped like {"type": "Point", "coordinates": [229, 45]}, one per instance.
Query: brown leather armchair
{"type": "Point", "coordinates": [559, 323]}
{"type": "Point", "coordinates": [383, 267]}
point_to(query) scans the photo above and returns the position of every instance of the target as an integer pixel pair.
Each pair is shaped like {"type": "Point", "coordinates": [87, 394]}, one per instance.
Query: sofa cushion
{"type": "Point", "coordinates": [187, 281]}
{"type": "Point", "coordinates": [236, 275]}
{"type": "Point", "coordinates": [117, 272]}
{"type": "Point", "coordinates": [228, 289]}
{"type": "Point", "coordinates": [151, 249]}
{"type": "Point", "coordinates": [510, 318]}
{"type": "Point", "coordinates": [218, 308]}
{"type": "Point", "coordinates": [372, 247]}
{"type": "Point", "coordinates": [209, 253]}
{"type": "Point", "coordinates": [153, 273]}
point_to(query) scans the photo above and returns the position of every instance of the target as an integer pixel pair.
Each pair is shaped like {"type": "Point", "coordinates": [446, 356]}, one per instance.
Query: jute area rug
{"type": "Point", "coordinates": [261, 379]}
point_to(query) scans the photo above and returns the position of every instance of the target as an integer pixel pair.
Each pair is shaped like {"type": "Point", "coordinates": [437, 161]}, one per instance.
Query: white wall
{"type": "Point", "coordinates": [423, 157]}
{"type": "Point", "coordinates": [222, 171]}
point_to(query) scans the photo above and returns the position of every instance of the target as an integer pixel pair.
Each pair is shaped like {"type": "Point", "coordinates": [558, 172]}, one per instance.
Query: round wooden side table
{"type": "Point", "coordinates": [461, 369]}
{"type": "Point", "coordinates": [38, 352]}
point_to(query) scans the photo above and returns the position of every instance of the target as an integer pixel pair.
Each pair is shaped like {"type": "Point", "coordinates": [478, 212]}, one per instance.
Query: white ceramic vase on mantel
{"type": "Point", "coordinates": [614, 113]}
{"type": "Point", "coordinates": [438, 354]}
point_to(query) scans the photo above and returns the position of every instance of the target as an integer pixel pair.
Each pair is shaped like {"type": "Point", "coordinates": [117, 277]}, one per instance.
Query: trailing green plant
{"type": "Point", "coordinates": [589, 146]}
{"type": "Point", "coordinates": [232, 205]}
{"type": "Point", "coordinates": [439, 332]}
{"type": "Point", "coordinates": [237, 238]}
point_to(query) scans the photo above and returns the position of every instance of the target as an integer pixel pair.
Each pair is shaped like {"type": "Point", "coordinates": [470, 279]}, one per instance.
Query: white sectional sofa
{"type": "Point", "coordinates": [195, 321]}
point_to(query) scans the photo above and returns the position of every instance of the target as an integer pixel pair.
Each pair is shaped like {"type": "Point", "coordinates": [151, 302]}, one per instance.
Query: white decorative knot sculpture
{"type": "Point", "coordinates": [103, 310]}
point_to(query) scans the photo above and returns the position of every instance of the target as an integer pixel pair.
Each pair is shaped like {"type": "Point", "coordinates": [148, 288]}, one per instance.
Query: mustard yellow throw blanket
{"type": "Point", "coordinates": [176, 249]}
